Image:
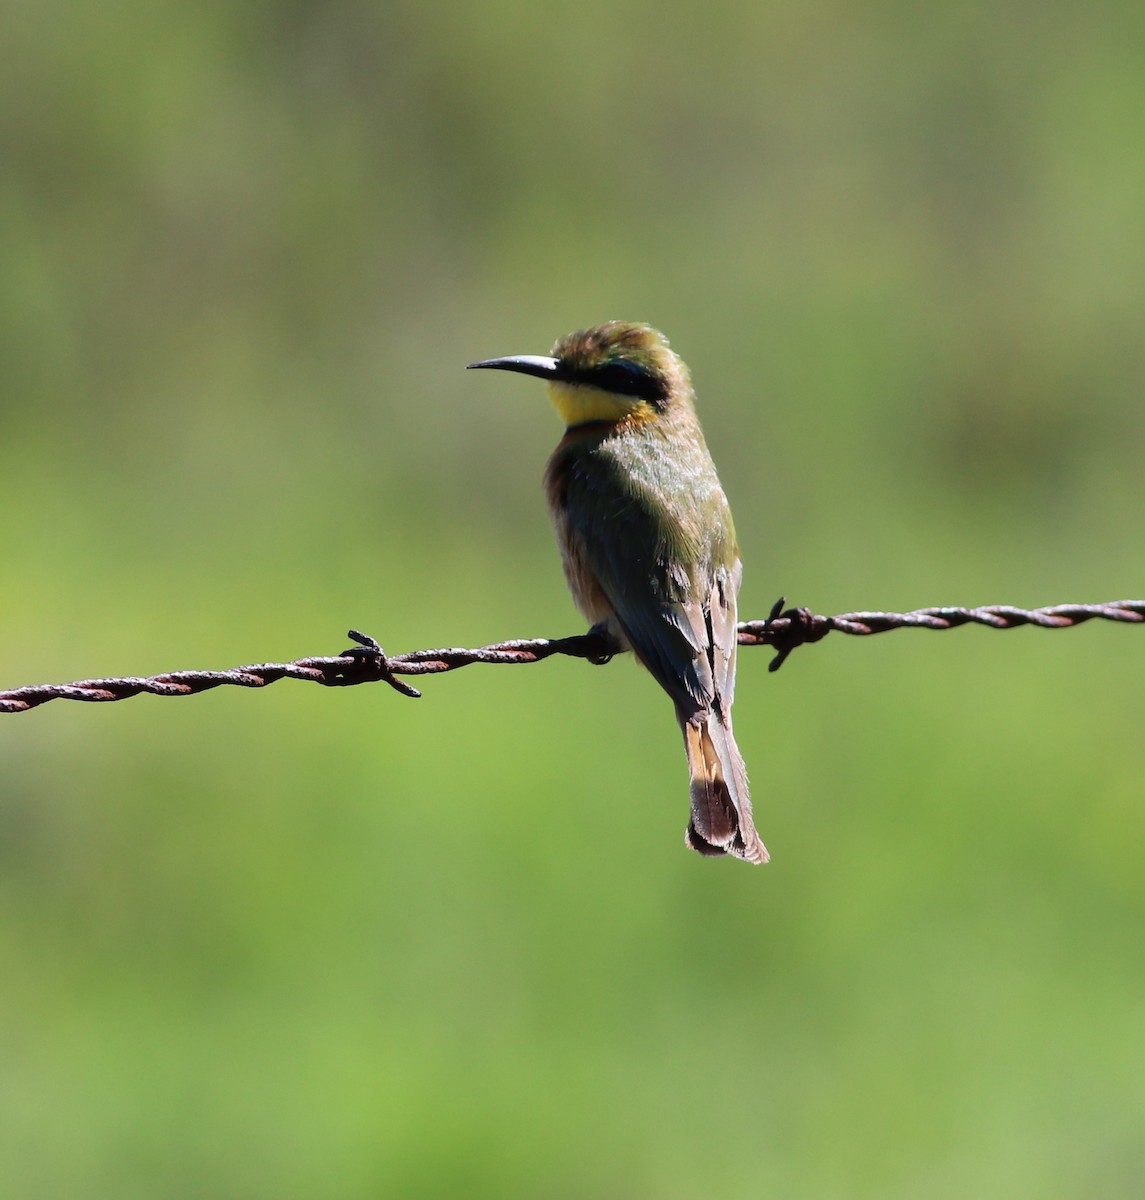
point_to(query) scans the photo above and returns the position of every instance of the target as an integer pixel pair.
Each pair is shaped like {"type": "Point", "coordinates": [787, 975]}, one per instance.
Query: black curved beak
{"type": "Point", "coordinates": [527, 364]}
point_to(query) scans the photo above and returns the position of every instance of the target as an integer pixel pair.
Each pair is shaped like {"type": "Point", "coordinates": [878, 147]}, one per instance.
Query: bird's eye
{"type": "Point", "coordinates": [627, 378]}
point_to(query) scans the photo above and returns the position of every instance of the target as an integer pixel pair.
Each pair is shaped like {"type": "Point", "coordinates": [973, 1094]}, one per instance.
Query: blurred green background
{"type": "Point", "coordinates": [307, 943]}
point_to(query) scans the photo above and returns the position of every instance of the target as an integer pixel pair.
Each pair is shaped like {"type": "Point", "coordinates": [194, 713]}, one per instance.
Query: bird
{"type": "Point", "coordinates": [649, 547]}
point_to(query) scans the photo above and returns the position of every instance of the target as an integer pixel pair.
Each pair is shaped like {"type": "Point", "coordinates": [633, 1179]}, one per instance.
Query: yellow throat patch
{"type": "Point", "coordinates": [579, 403]}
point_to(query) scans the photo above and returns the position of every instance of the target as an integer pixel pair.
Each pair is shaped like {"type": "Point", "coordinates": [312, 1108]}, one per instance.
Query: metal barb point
{"type": "Point", "coordinates": [791, 629]}
{"type": "Point", "coordinates": [371, 663]}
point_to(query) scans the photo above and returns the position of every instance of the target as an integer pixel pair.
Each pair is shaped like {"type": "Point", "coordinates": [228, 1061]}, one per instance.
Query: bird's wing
{"type": "Point", "coordinates": [679, 616]}
{"type": "Point", "coordinates": [722, 618]}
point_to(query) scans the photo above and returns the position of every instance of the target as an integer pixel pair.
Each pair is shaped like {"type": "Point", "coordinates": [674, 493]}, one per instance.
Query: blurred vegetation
{"type": "Point", "coordinates": [312, 944]}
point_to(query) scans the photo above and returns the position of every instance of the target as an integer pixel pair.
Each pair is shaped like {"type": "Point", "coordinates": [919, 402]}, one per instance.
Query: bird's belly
{"type": "Point", "coordinates": [586, 591]}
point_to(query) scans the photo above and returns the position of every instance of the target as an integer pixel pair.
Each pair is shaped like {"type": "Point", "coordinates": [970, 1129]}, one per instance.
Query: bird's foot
{"type": "Point", "coordinates": [609, 646]}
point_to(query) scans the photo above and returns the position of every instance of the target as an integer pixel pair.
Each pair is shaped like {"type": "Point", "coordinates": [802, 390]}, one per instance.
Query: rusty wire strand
{"type": "Point", "coordinates": [367, 662]}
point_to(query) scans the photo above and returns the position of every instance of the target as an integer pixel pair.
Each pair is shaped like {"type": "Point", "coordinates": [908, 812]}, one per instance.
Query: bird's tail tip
{"type": "Point", "coordinates": [721, 806]}
{"type": "Point", "coordinates": [751, 849]}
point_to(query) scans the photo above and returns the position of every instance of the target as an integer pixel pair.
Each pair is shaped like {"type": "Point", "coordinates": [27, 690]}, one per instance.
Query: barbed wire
{"type": "Point", "coordinates": [784, 630]}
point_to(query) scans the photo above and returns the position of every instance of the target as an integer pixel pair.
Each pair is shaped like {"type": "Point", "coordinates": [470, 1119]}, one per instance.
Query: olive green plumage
{"type": "Point", "coordinates": [649, 546]}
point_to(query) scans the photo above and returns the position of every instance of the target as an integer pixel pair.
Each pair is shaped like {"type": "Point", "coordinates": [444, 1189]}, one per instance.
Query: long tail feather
{"type": "Point", "coordinates": [721, 806]}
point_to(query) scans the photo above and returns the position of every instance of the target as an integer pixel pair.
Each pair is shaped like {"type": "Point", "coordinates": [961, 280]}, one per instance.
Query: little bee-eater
{"type": "Point", "coordinates": [649, 547]}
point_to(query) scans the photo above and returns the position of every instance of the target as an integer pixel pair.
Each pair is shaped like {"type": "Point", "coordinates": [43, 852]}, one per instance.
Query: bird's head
{"type": "Point", "coordinates": [611, 372]}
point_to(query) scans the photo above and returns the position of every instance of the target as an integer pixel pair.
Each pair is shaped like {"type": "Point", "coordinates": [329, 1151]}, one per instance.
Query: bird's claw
{"type": "Point", "coordinates": [608, 647]}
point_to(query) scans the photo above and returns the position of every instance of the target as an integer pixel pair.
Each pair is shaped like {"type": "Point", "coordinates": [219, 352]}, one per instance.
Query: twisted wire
{"type": "Point", "coordinates": [366, 662]}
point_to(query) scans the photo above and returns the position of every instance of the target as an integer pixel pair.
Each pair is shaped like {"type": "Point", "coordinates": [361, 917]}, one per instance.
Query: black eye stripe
{"type": "Point", "coordinates": [627, 378]}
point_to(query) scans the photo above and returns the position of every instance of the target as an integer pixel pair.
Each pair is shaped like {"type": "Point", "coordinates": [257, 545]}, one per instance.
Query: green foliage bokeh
{"type": "Point", "coordinates": [303, 943]}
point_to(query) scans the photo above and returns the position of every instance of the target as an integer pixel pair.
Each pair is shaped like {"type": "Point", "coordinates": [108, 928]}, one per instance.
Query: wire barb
{"type": "Point", "coordinates": [371, 665]}
{"type": "Point", "coordinates": [784, 630]}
